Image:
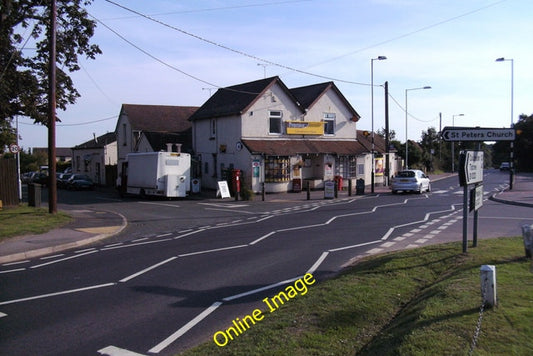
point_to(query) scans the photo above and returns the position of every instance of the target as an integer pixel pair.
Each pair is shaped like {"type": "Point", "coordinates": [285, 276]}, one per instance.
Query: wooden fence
{"type": "Point", "coordinates": [8, 182]}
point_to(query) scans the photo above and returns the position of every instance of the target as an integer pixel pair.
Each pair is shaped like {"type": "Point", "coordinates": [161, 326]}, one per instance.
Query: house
{"type": "Point", "coordinates": [149, 128]}
{"type": "Point", "coordinates": [63, 154]}
{"type": "Point", "coordinates": [279, 138]}
{"type": "Point", "coordinates": [97, 158]}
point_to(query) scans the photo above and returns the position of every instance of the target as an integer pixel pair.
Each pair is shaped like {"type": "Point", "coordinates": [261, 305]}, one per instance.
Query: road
{"type": "Point", "coordinates": [183, 270]}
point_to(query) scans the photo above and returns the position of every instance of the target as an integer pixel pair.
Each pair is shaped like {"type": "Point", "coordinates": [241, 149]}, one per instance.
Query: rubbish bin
{"type": "Point", "coordinates": [360, 186]}
{"type": "Point", "coordinates": [34, 195]}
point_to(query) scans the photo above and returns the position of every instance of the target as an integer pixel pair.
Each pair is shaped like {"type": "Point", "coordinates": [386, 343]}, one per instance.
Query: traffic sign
{"type": "Point", "coordinates": [477, 134]}
{"type": "Point", "coordinates": [13, 148]}
{"type": "Point", "coordinates": [471, 167]}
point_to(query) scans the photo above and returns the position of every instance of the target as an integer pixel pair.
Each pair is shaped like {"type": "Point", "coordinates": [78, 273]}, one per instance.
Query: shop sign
{"type": "Point", "coordinates": [305, 128]}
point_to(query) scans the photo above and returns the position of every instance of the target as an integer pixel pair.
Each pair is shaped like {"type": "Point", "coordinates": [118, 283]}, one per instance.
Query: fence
{"type": "Point", "coordinates": [8, 182]}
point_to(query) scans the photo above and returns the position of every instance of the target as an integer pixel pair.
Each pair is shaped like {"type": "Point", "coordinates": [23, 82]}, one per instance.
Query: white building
{"type": "Point", "coordinates": [97, 158]}
{"type": "Point", "coordinates": [280, 137]}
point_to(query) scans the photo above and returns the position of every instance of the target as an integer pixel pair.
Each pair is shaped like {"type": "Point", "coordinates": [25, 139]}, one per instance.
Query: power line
{"type": "Point", "coordinates": [410, 115]}
{"type": "Point", "coordinates": [255, 58]}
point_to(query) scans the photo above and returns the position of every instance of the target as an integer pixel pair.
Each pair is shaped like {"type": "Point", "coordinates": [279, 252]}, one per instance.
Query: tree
{"type": "Point", "coordinates": [522, 148]}
{"type": "Point", "coordinates": [23, 72]}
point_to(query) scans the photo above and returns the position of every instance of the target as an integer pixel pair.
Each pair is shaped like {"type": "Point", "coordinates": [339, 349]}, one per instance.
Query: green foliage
{"type": "Point", "coordinates": [24, 75]}
{"type": "Point", "coordinates": [523, 146]}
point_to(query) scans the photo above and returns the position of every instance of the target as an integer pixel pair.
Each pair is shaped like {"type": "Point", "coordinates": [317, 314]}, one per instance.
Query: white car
{"type": "Point", "coordinates": [410, 180]}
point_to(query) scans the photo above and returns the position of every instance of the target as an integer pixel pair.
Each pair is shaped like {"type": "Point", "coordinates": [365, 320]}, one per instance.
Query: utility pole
{"type": "Point", "coordinates": [52, 187]}
{"type": "Point", "coordinates": [387, 135]}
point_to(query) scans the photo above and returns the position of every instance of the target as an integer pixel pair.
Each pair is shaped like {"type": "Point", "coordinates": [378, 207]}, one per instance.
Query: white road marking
{"type": "Point", "coordinates": [221, 205]}
{"type": "Point", "coordinates": [50, 257]}
{"type": "Point", "coordinates": [71, 291]}
{"type": "Point", "coordinates": [169, 340]}
{"type": "Point", "coordinates": [213, 250]}
{"type": "Point", "coordinates": [135, 244]}
{"type": "Point", "coordinates": [87, 249]}
{"type": "Point", "coordinates": [354, 246]}
{"type": "Point", "coordinates": [318, 262]}
{"type": "Point", "coordinates": [13, 270]}
{"type": "Point", "coordinates": [254, 291]}
{"type": "Point", "coordinates": [146, 270]}
{"type": "Point", "coordinates": [64, 259]}
{"type": "Point", "coordinates": [2, 315]}
{"type": "Point", "coordinates": [115, 351]}
{"type": "Point", "coordinates": [113, 245]}
{"type": "Point", "coordinates": [139, 240]}
{"type": "Point", "coordinates": [15, 263]}
{"type": "Point", "coordinates": [162, 204]}
{"type": "Point", "coordinates": [163, 235]}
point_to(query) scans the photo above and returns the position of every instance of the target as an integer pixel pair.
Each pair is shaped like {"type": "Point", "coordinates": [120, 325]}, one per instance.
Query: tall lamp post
{"type": "Point", "coordinates": [406, 134]}
{"type": "Point", "coordinates": [379, 58]}
{"type": "Point", "coordinates": [511, 164]}
{"type": "Point", "coordinates": [453, 143]}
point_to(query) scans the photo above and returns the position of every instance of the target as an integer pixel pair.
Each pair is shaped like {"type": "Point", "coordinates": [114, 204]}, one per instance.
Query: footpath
{"type": "Point", "coordinates": [89, 226]}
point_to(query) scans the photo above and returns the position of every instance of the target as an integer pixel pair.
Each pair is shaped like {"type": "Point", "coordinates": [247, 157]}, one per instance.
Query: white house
{"type": "Point", "coordinates": [149, 128]}
{"type": "Point", "coordinates": [279, 137]}
{"type": "Point", "coordinates": [96, 157]}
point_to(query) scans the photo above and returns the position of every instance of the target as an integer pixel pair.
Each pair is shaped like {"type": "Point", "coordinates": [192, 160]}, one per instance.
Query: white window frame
{"type": "Point", "coordinates": [329, 118]}
{"type": "Point", "coordinates": [275, 115]}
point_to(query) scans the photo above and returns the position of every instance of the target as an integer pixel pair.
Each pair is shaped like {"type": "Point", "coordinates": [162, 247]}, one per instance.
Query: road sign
{"type": "Point", "coordinates": [13, 148]}
{"type": "Point", "coordinates": [477, 134]}
{"type": "Point", "coordinates": [471, 167]}
{"type": "Point", "coordinates": [476, 197]}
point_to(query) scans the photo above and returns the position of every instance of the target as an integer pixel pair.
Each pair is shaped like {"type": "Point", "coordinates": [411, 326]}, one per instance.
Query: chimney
{"type": "Point", "coordinates": [178, 147]}
{"type": "Point", "coordinates": [169, 147]}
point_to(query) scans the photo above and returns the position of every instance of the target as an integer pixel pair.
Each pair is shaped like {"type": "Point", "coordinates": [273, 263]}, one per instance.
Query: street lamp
{"type": "Point", "coordinates": [406, 134]}
{"type": "Point", "coordinates": [511, 168]}
{"type": "Point", "coordinates": [453, 143]}
{"type": "Point", "coordinates": [379, 58]}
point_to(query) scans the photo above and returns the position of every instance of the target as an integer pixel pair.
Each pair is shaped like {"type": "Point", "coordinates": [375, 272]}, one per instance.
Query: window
{"type": "Point", "coordinates": [275, 122]}
{"type": "Point", "coordinates": [277, 169]}
{"type": "Point", "coordinates": [329, 123]}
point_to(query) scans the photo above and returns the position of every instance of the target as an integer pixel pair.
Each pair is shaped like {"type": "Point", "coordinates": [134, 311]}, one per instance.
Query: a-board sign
{"type": "Point", "coordinates": [476, 197]}
{"type": "Point", "coordinates": [329, 189]}
{"type": "Point", "coordinates": [470, 167]}
{"type": "Point", "coordinates": [477, 134]}
{"type": "Point", "coordinates": [223, 189]}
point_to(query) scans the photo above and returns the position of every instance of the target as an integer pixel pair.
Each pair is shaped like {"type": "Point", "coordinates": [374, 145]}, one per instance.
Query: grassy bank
{"type": "Point", "coordinates": [418, 302]}
{"type": "Point", "coordinates": [23, 220]}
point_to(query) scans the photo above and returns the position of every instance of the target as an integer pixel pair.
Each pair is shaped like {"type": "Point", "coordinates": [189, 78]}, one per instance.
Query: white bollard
{"type": "Point", "coordinates": [528, 239]}
{"type": "Point", "coordinates": [488, 285]}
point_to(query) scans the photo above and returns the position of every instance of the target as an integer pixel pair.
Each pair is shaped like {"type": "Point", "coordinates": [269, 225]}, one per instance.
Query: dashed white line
{"type": "Point", "coordinates": [87, 249]}
{"type": "Point", "coordinates": [50, 257]}
{"type": "Point", "coordinates": [213, 250]}
{"type": "Point", "coordinates": [116, 351]}
{"type": "Point", "coordinates": [15, 263]}
{"type": "Point", "coordinates": [13, 270]}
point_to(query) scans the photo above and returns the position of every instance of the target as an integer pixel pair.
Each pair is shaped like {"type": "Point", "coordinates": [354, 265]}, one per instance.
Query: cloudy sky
{"type": "Point", "coordinates": [180, 51]}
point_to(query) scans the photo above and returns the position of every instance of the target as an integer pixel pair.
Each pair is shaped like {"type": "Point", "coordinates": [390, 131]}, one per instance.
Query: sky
{"type": "Point", "coordinates": [178, 52]}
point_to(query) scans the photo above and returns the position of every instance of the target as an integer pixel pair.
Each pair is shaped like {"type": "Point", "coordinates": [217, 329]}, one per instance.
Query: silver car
{"type": "Point", "coordinates": [410, 180]}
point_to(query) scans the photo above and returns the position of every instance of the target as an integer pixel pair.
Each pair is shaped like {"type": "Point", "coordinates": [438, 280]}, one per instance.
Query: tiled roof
{"type": "Point", "coordinates": [236, 99]}
{"type": "Point", "coordinates": [158, 118]}
{"type": "Point", "coordinates": [379, 142]}
{"type": "Point", "coordinates": [101, 141]}
{"type": "Point", "coordinates": [60, 151]}
{"type": "Point", "coordinates": [307, 96]}
{"type": "Point", "coordinates": [292, 147]}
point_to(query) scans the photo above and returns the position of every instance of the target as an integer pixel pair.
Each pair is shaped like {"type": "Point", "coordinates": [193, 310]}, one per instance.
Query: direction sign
{"type": "Point", "coordinates": [477, 134]}
{"type": "Point", "coordinates": [471, 171]}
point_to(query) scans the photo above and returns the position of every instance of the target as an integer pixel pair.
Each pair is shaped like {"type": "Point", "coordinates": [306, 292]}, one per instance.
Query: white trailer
{"type": "Point", "coordinates": [164, 174]}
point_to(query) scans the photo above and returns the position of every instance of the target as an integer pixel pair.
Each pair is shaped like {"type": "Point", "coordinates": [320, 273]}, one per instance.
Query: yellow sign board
{"type": "Point", "coordinates": [305, 128]}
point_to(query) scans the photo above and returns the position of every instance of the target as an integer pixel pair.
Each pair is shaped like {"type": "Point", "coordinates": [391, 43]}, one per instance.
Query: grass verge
{"type": "Point", "coordinates": [423, 301]}
{"type": "Point", "coordinates": [24, 220]}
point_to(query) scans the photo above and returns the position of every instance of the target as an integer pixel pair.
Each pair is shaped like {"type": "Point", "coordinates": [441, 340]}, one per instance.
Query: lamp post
{"type": "Point", "coordinates": [406, 134]}
{"type": "Point", "coordinates": [379, 58]}
{"type": "Point", "coordinates": [453, 143]}
{"type": "Point", "coordinates": [511, 164]}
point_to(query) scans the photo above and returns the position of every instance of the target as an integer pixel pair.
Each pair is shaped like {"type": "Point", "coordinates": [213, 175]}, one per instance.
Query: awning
{"type": "Point", "coordinates": [294, 147]}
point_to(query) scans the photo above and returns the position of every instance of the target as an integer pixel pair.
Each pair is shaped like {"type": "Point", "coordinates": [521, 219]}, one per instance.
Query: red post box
{"type": "Point", "coordinates": [236, 177]}
{"type": "Point", "coordinates": [338, 180]}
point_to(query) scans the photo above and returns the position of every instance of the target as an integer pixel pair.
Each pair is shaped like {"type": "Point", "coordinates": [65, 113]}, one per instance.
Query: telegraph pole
{"type": "Point", "coordinates": [387, 134]}
{"type": "Point", "coordinates": [52, 187]}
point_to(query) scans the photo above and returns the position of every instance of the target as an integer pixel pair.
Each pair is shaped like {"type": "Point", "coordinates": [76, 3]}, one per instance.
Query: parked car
{"type": "Point", "coordinates": [62, 180]}
{"type": "Point", "coordinates": [40, 178]}
{"type": "Point", "coordinates": [505, 166]}
{"type": "Point", "coordinates": [27, 177]}
{"type": "Point", "coordinates": [410, 180]}
{"type": "Point", "coordinates": [80, 182]}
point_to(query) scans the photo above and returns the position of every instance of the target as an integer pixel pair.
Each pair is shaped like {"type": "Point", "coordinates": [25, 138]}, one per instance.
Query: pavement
{"type": "Point", "coordinates": [89, 226]}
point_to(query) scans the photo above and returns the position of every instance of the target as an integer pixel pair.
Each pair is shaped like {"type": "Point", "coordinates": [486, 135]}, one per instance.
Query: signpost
{"type": "Point", "coordinates": [470, 172]}
{"type": "Point", "coordinates": [477, 134]}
